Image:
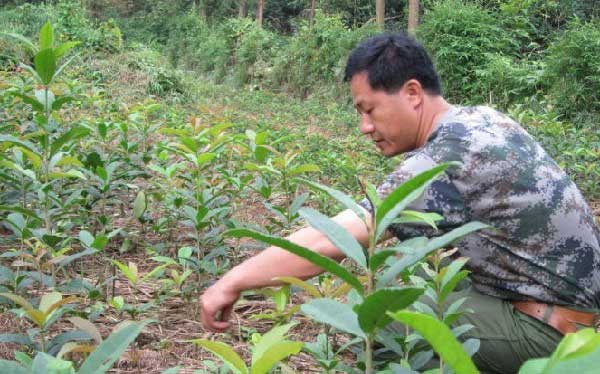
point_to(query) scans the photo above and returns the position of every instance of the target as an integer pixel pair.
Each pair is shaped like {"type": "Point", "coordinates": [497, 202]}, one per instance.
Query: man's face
{"type": "Point", "coordinates": [390, 120]}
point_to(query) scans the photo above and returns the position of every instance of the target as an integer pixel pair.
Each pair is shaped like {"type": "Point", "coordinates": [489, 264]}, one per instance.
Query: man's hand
{"type": "Point", "coordinates": [216, 306]}
{"type": "Point", "coordinates": [261, 270]}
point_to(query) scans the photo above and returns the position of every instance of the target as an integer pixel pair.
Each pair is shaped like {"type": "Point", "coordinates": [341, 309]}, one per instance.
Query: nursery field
{"type": "Point", "coordinates": [138, 166]}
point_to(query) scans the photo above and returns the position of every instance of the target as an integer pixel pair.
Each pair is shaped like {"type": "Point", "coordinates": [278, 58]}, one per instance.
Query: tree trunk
{"type": "Point", "coordinates": [243, 10]}
{"type": "Point", "coordinates": [313, 5]}
{"type": "Point", "coordinates": [380, 13]}
{"type": "Point", "coordinates": [260, 6]}
{"type": "Point", "coordinates": [413, 15]}
{"type": "Point", "coordinates": [201, 6]}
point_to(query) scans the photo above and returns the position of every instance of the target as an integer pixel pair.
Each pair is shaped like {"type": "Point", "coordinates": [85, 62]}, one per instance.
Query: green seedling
{"type": "Point", "coordinates": [283, 311]}
{"type": "Point", "coordinates": [48, 312]}
{"type": "Point", "coordinates": [99, 361]}
{"type": "Point", "coordinates": [374, 305]}
{"type": "Point", "coordinates": [267, 351]}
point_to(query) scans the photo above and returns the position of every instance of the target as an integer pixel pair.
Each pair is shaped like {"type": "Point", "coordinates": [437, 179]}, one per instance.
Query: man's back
{"type": "Point", "coordinates": [547, 246]}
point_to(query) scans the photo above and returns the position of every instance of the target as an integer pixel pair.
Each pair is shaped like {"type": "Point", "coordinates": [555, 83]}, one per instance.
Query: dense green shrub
{"type": "Point", "coordinates": [254, 53]}
{"type": "Point", "coordinates": [71, 20]}
{"type": "Point", "coordinates": [508, 81]}
{"type": "Point", "coordinates": [461, 37]}
{"type": "Point", "coordinates": [74, 24]}
{"type": "Point", "coordinates": [317, 54]}
{"type": "Point", "coordinates": [184, 36]}
{"type": "Point", "coordinates": [573, 70]}
{"type": "Point", "coordinates": [25, 19]}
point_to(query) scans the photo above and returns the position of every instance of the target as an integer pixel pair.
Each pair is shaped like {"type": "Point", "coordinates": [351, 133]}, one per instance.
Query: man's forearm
{"type": "Point", "coordinates": [259, 271]}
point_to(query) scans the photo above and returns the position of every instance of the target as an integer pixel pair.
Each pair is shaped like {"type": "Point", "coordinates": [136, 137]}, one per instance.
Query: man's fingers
{"type": "Point", "coordinates": [216, 320]}
{"type": "Point", "coordinates": [226, 314]}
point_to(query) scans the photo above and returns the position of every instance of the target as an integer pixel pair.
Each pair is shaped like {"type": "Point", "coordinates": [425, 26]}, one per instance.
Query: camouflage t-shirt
{"type": "Point", "coordinates": [547, 246]}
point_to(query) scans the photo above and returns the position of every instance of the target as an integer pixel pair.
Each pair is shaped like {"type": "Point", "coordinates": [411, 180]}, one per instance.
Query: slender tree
{"type": "Point", "coordinates": [413, 15]}
{"type": "Point", "coordinates": [243, 8]}
{"type": "Point", "coordinates": [260, 7]}
{"type": "Point", "coordinates": [380, 13]}
{"type": "Point", "coordinates": [313, 5]}
{"type": "Point", "coordinates": [201, 6]}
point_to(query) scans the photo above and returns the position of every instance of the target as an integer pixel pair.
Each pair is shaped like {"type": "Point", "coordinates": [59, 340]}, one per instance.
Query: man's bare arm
{"type": "Point", "coordinates": [259, 271]}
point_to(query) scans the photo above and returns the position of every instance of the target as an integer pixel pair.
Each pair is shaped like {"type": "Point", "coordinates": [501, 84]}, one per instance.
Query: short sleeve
{"type": "Point", "coordinates": [440, 197]}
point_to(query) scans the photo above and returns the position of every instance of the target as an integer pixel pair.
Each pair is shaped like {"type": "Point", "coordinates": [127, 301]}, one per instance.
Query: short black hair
{"type": "Point", "coordinates": [390, 60]}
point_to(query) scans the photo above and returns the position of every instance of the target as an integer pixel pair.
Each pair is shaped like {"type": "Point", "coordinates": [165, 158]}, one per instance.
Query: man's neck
{"type": "Point", "coordinates": [434, 109]}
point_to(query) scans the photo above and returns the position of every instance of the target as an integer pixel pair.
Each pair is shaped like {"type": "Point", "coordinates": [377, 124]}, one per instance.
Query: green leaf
{"type": "Point", "coordinates": [16, 141]}
{"type": "Point", "coordinates": [139, 205]}
{"type": "Point", "coordinates": [21, 339]}
{"type": "Point", "coordinates": [339, 236]}
{"type": "Point", "coordinates": [12, 367]}
{"type": "Point", "coordinates": [35, 104]}
{"type": "Point", "coordinates": [23, 358]}
{"type": "Point", "coordinates": [45, 65]}
{"type": "Point", "coordinates": [204, 158]}
{"type": "Point", "coordinates": [441, 241]}
{"type": "Point", "coordinates": [534, 366]}
{"type": "Point", "coordinates": [62, 49]}
{"type": "Point", "coordinates": [274, 355]}
{"type": "Point", "coordinates": [306, 168]}
{"type": "Point", "coordinates": [324, 262]}
{"type": "Point", "coordinates": [111, 349]}
{"type": "Point", "coordinates": [449, 286]}
{"type": "Point", "coordinates": [581, 364]}
{"type": "Point", "coordinates": [334, 313]}
{"type": "Point", "coordinates": [379, 258]}
{"type": "Point", "coordinates": [405, 194]}
{"type": "Point", "coordinates": [372, 313]}
{"type": "Point", "coordinates": [31, 71]}
{"type": "Point", "coordinates": [26, 212]}
{"type": "Point", "coordinates": [372, 196]}
{"type": "Point", "coordinates": [86, 238]}
{"type": "Point", "coordinates": [63, 261]}
{"type": "Point", "coordinates": [63, 66]}
{"type": "Point", "coordinates": [344, 199]}
{"type": "Point", "coordinates": [225, 353]}
{"type": "Point", "coordinates": [69, 161]}
{"type": "Point", "coordinates": [73, 134]}
{"type": "Point", "coordinates": [34, 314]}
{"type": "Point", "coordinates": [129, 271]}
{"type": "Point", "coordinates": [46, 364]}
{"type": "Point", "coordinates": [117, 302]}
{"type": "Point", "coordinates": [441, 339]}
{"type": "Point", "coordinates": [309, 288]}
{"type": "Point", "coordinates": [48, 300]}
{"type": "Point", "coordinates": [412, 216]}
{"type": "Point", "coordinates": [88, 327]}
{"type": "Point", "coordinates": [61, 100]}
{"type": "Point", "coordinates": [46, 36]}
{"type": "Point", "coordinates": [164, 259]}
{"type": "Point", "coordinates": [573, 345]}
{"type": "Point", "coordinates": [100, 242]}
{"type": "Point", "coordinates": [270, 339]}
{"type": "Point", "coordinates": [46, 98]}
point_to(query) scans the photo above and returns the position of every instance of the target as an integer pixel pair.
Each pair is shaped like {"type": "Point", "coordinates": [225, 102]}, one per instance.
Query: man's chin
{"type": "Point", "coordinates": [387, 152]}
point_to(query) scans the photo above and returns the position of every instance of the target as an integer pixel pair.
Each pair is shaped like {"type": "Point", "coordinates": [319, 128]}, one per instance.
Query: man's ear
{"type": "Point", "coordinates": [414, 92]}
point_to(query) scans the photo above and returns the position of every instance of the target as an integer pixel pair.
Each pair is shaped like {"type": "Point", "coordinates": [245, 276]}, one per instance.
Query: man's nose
{"type": "Point", "coordinates": [366, 126]}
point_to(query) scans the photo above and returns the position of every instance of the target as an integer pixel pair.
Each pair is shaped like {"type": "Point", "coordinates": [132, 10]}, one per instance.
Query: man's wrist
{"type": "Point", "coordinates": [232, 282]}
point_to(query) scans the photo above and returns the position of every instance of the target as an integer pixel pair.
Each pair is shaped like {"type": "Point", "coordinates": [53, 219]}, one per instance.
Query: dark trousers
{"type": "Point", "coordinates": [508, 337]}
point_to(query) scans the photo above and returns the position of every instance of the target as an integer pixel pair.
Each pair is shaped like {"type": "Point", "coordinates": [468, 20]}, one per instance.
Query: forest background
{"type": "Point", "coordinates": [136, 178]}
